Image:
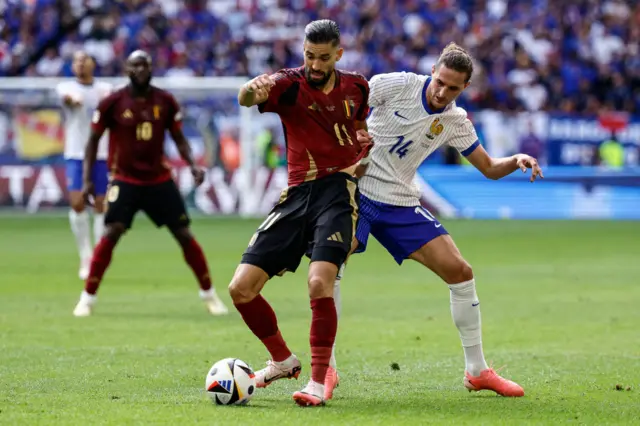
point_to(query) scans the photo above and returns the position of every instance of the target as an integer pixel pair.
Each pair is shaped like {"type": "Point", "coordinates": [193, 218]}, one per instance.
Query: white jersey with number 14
{"type": "Point", "coordinates": [405, 131]}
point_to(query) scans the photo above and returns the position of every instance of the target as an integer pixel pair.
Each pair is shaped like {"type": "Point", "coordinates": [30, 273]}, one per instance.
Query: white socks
{"type": "Point", "coordinates": [314, 388]}
{"type": "Point", "coordinates": [287, 363]}
{"type": "Point", "coordinates": [80, 227]}
{"type": "Point", "coordinates": [87, 299]}
{"type": "Point", "coordinates": [98, 227]}
{"type": "Point", "coordinates": [338, 301]}
{"type": "Point", "coordinates": [207, 294]}
{"type": "Point", "coordinates": [465, 310]}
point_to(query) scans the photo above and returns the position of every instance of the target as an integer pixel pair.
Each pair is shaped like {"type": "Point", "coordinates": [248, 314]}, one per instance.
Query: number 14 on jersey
{"type": "Point", "coordinates": [401, 147]}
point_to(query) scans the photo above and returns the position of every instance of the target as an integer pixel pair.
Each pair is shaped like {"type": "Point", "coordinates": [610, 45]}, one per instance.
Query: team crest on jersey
{"type": "Point", "coordinates": [127, 114]}
{"type": "Point", "coordinates": [156, 112]}
{"type": "Point", "coordinates": [349, 106]}
{"type": "Point", "coordinates": [435, 129]}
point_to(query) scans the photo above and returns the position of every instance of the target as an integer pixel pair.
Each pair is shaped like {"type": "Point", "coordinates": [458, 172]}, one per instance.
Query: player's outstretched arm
{"type": "Point", "coordinates": [255, 91]}
{"type": "Point", "coordinates": [187, 155]}
{"type": "Point", "coordinates": [497, 168]}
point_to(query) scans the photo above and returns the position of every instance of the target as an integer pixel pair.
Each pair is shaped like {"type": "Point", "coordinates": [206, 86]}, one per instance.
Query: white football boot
{"type": "Point", "coordinates": [85, 305]}
{"type": "Point", "coordinates": [213, 303]}
{"type": "Point", "coordinates": [288, 369]}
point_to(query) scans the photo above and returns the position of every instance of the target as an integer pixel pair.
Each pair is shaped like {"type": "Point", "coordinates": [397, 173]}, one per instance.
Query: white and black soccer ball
{"type": "Point", "coordinates": [230, 381]}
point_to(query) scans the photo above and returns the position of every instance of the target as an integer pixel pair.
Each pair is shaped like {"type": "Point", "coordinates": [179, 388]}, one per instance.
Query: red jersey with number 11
{"type": "Point", "coordinates": [137, 128]}
{"type": "Point", "coordinates": [319, 128]}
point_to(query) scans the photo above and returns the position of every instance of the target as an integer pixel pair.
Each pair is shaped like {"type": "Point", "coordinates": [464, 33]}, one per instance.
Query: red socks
{"type": "Point", "coordinates": [324, 326]}
{"type": "Point", "coordinates": [99, 264]}
{"type": "Point", "coordinates": [262, 321]}
{"type": "Point", "coordinates": [101, 259]}
{"type": "Point", "coordinates": [194, 257]}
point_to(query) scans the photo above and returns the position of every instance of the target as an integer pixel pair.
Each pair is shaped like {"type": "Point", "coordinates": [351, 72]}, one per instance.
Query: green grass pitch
{"type": "Point", "coordinates": [560, 307]}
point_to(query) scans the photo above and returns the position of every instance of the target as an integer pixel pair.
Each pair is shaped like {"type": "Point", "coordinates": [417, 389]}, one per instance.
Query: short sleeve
{"type": "Point", "coordinates": [362, 113]}
{"type": "Point", "coordinates": [464, 137]}
{"type": "Point", "coordinates": [101, 119]}
{"type": "Point", "coordinates": [174, 116]}
{"type": "Point", "coordinates": [107, 89]}
{"type": "Point", "coordinates": [61, 90]}
{"type": "Point", "coordinates": [385, 87]}
{"type": "Point", "coordinates": [272, 104]}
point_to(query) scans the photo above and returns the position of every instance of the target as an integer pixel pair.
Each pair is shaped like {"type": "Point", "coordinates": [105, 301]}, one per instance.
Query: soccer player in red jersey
{"type": "Point", "coordinates": [137, 117]}
{"type": "Point", "coordinates": [321, 109]}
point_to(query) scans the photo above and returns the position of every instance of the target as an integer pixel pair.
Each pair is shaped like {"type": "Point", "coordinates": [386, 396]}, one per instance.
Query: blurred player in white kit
{"type": "Point", "coordinates": [79, 99]}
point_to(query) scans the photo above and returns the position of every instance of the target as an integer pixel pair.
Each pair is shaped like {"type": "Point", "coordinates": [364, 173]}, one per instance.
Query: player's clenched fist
{"type": "Point", "coordinates": [261, 85]}
{"type": "Point", "coordinates": [198, 175]}
{"type": "Point", "coordinates": [88, 192]}
{"type": "Point", "coordinates": [364, 138]}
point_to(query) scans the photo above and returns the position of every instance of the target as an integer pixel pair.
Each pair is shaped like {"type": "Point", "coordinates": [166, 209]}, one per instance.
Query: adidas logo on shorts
{"type": "Point", "coordinates": [336, 237]}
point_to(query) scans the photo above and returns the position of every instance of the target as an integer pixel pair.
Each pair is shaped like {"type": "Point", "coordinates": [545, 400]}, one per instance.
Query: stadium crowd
{"type": "Point", "coordinates": [569, 56]}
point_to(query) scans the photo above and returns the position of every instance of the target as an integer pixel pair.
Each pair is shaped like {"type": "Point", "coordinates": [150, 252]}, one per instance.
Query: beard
{"type": "Point", "coordinates": [316, 83]}
{"type": "Point", "coordinates": [140, 85]}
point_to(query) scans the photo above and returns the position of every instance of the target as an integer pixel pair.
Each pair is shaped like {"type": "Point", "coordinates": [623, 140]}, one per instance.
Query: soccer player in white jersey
{"type": "Point", "coordinates": [411, 116]}
{"type": "Point", "coordinates": [79, 99]}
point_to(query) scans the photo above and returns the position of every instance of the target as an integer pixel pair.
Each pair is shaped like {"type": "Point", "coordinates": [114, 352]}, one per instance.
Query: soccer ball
{"type": "Point", "coordinates": [230, 381]}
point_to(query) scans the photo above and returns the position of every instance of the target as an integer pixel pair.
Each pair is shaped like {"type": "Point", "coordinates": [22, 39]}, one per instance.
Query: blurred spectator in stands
{"type": "Point", "coordinates": [568, 56]}
{"type": "Point", "coordinates": [611, 153]}
{"type": "Point", "coordinates": [531, 144]}
{"type": "Point", "coordinates": [51, 64]}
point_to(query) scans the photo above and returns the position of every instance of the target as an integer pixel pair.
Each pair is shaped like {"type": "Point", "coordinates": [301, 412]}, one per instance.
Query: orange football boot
{"type": "Point", "coordinates": [331, 381]}
{"type": "Point", "coordinates": [490, 380]}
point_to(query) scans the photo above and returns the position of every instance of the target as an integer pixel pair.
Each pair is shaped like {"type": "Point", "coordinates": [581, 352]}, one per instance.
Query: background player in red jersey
{"type": "Point", "coordinates": [138, 116]}
{"type": "Point", "coordinates": [321, 108]}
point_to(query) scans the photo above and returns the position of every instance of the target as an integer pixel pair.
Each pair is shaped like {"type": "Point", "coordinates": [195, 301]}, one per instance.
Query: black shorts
{"type": "Point", "coordinates": [162, 202]}
{"type": "Point", "coordinates": [318, 217]}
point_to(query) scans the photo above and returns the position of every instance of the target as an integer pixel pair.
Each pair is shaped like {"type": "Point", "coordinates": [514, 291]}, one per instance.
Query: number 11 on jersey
{"type": "Point", "coordinates": [401, 147]}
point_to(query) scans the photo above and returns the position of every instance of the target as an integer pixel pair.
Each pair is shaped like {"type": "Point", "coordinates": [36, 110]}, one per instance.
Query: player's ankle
{"type": "Point", "coordinates": [87, 298]}
{"type": "Point", "coordinates": [286, 363]}
{"type": "Point", "coordinates": [210, 293]}
{"type": "Point", "coordinates": [315, 388]}
{"type": "Point", "coordinates": [474, 370]}
{"type": "Point", "coordinates": [332, 363]}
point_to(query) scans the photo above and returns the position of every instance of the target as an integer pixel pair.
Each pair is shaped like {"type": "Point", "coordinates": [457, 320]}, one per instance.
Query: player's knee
{"type": "Point", "coordinates": [457, 272]}
{"type": "Point", "coordinates": [320, 286]}
{"type": "Point", "coordinates": [241, 291]}
{"type": "Point", "coordinates": [182, 235]}
{"type": "Point", "coordinates": [77, 204]}
{"type": "Point", "coordinates": [247, 283]}
{"type": "Point", "coordinates": [114, 231]}
{"type": "Point", "coordinates": [99, 205]}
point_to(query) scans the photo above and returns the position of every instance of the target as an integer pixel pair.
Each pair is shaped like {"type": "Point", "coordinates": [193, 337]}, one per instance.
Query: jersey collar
{"type": "Point", "coordinates": [85, 84]}
{"type": "Point", "coordinates": [425, 104]}
{"type": "Point", "coordinates": [337, 81]}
